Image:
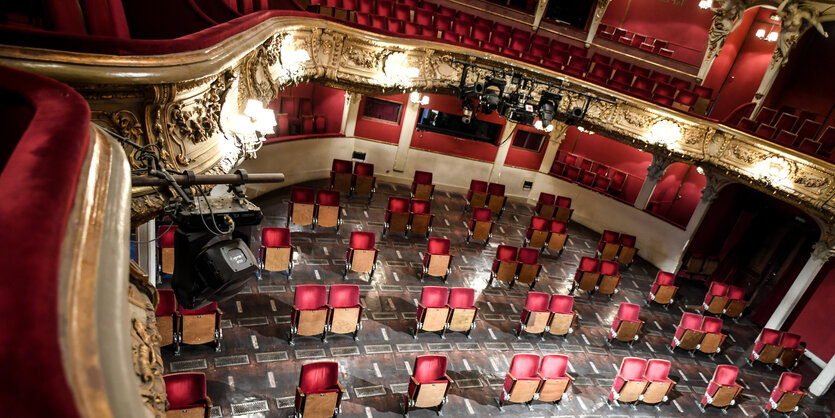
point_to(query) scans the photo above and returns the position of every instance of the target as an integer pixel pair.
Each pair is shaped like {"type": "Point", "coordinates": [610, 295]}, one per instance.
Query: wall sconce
{"type": "Point", "coordinates": [770, 37]}
{"type": "Point", "coordinates": [396, 70]}
{"type": "Point", "coordinates": [705, 4]}
{"type": "Point", "coordinates": [665, 132]}
{"type": "Point", "coordinates": [416, 98]}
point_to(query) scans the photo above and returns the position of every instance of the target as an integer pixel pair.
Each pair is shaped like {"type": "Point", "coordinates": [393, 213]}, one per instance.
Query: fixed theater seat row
{"type": "Point", "coordinates": [406, 215]}
{"type": "Point", "coordinates": [353, 178]}
{"type": "Point", "coordinates": [616, 246]}
{"type": "Point", "coordinates": [513, 264]}
{"type": "Point", "coordinates": [178, 325]}
{"type": "Point", "coordinates": [696, 332]}
{"type": "Point", "coordinates": [318, 311]}
{"type": "Point", "coordinates": [531, 378]}
{"type": "Point", "coordinates": [722, 299]}
{"type": "Point", "coordinates": [639, 380]}
{"type": "Point", "coordinates": [554, 207]}
{"type": "Point", "coordinates": [443, 309]}
{"type": "Point", "coordinates": [186, 395]}
{"type": "Point", "coordinates": [698, 266]}
{"type": "Point", "coordinates": [543, 233]}
{"type": "Point", "coordinates": [482, 194]}
{"type": "Point", "coordinates": [314, 207]}
{"type": "Point", "coordinates": [663, 290]}
{"type": "Point", "coordinates": [595, 275]}
{"type": "Point", "coordinates": [589, 174]}
{"type": "Point", "coordinates": [544, 313]}
{"type": "Point", "coordinates": [776, 347]}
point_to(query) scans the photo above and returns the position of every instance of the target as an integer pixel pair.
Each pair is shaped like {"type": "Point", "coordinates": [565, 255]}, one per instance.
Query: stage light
{"type": "Point", "coordinates": [548, 103]}
{"type": "Point", "coordinates": [492, 95]}
{"type": "Point", "coordinates": [468, 111]}
{"type": "Point", "coordinates": [574, 115]}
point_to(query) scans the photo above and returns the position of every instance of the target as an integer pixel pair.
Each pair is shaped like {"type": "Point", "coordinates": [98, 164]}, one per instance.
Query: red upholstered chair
{"type": "Point", "coordinates": [689, 333]}
{"type": "Point", "coordinates": [736, 302]}
{"type": "Point", "coordinates": [165, 250]}
{"type": "Point", "coordinates": [722, 389]}
{"type": "Point", "coordinates": [462, 310]}
{"type": "Point", "coordinates": [626, 325]}
{"type": "Point", "coordinates": [496, 198]}
{"type": "Point", "coordinates": [609, 278]}
{"type": "Point", "coordinates": [366, 6]}
{"type": "Point", "coordinates": [449, 35]}
{"type": "Point", "coordinates": [609, 245]}
{"type": "Point", "coordinates": [201, 325]}
{"type": "Point", "coordinates": [364, 180]}
{"type": "Point", "coordinates": [428, 385]}
{"type": "Point", "coordinates": [601, 183]}
{"type": "Point", "coordinates": [414, 29]}
{"type": "Point", "coordinates": [586, 178]}
{"type": "Point", "coordinates": [808, 129]}
{"type": "Point", "coordinates": [432, 310]}
{"type": "Point", "coordinates": [420, 217]}
{"type": "Point", "coordinates": [587, 275]}
{"type": "Point", "coordinates": [616, 186]}
{"type": "Point", "coordinates": [481, 225]}
{"type": "Point", "coordinates": [564, 210]}
{"type": "Point", "coordinates": [562, 317]}
{"type": "Point", "coordinates": [557, 236]}
{"type": "Point", "coordinates": [659, 384]}
{"type": "Point", "coordinates": [437, 261]}
{"type": "Point", "coordinates": [481, 33]}
{"type": "Point", "coordinates": [787, 395]}
{"type": "Point", "coordinates": [716, 298]}
{"type": "Point", "coordinates": [747, 125]}
{"type": "Point", "coordinates": [168, 319]}
{"type": "Point", "coordinates": [521, 381]}
{"type": "Point", "coordinates": [786, 139]}
{"type": "Point", "coordinates": [422, 187]}
{"type": "Point", "coordinates": [557, 60]}
{"type": "Point", "coordinates": [786, 122]}
{"type": "Point", "coordinates": [505, 264]}
{"type": "Point", "coordinates": [685, 100]}
{"type": "Point", "coordinates": [626, 254]}
{"type": "Point", "coordinates": [571, 160]}
{"type": "Point", "coordinates": [379, 22]}
{"type": "Point", "coordinates": [461, 29]}
{"type": "Point", "coordinates": [307, 124]}
{"type": "Point", "coordinates": [423, 18]}
{"type": "Point", "coordinates": [577, 66]}
{"type": "Point", "coordinates": [599, 73]}
{"type": "Point", "coordinates": [535, 316]}
{"type": "Point", "coordinates": [363, 19]}
{"type": "Point", "coordinates": [793, 350]}
{"type": "Point", "coordinates": [465, 18]}
{"type": "Point", "coordinates": [309, 316]}
{"type": "Point", "coordinates": [397, 215]}
{"type": "Point", "coordinates": [554, 376]}
{"type": "Point", "coordinates": [328, 212]}
{"type": "Point", "coordinates": [276, 252]}
{"type": "Point", "coordinates": [342, 178]}
{"type": "Point", "coordinates": [500, 39]}
{"type": "Point", "coordinates": [361, 256]}
{"type": "Point", "coordinates": [545, 206]}
{"type": "Point", "coordinates": [809, 146]}
{"type": "Point", "coordinates": [630, 383]}
{"type": "Point", "coordinates": [320, 125]}
{"type": "Point", "coordinates": [477, 195]}
{"type": "Point", "coordinates": [443, 23]}
{"type": "Point", "coordinates": [767, 347]}
{"type": "Point", "coordinates": [187, 396]}
{"type": "Point", "coordinates": [766, 115]}
{"type": "Point", "coordinates": [394, 25]}
{"type": "Point", "coordinates": [659, 77]}
{"type": "Point", "coordinates": [403, 12]}
{"type": "Point", "coordinates": [529, 266]}
{"type": "Point", "coordinates": [713, 336]}
{"type": "Point", "coordinates": [384, 8]}
{"type": "Point", "coordinates": [537, 233]}
{"type": "Point", "coordinates": [663, 290]}
{"type": "Point", "coordinates": [345, 316]}
{"type": "Point", "coordinates": [765, 131]}
{"type": "Point", "coordinates": [622, 79]}
{"type": "Point", "coordinates": [319, 392]}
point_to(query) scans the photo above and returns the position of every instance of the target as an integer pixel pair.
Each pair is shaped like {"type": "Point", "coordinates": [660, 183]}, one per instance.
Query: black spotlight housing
{"type": "Point", "coordinates": [574, 115]}
{"type": "Point", "coordinates": [493, 93]}
{"type": "Point", "coordinates": [547, 109]}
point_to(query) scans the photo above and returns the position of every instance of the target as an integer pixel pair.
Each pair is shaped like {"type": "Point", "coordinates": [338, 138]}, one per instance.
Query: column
{"type": "Point", "coordinates": [726, 18]}
{"type": "Point", "coordinates": [554, 141]}
{"type": "Point", "coordinates": [821, 252]}
{"type": "Point", "coordinates": [655, 170]}
{"type": "Point", "coordinates": [595, 21]}
{"type": "Point", "coordinates": [407, 130]}
{"type": "Point", "coordinates": [715, 183]}
{"type": "Point", "coordinates": [824, 380]}
{"type": "Point", "coordinates": [541, 7]}
{"type": "Point", "coordinates": [501, 154]}
{"type": "Point", "coordinates": [146, 249]}
{"type": "Point", "coordinates": [350, 113]}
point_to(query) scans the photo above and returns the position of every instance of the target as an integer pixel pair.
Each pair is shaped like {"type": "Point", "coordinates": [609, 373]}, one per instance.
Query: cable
{"type": "Point", "coordinates": [509, 135]}
{"type": "Point", "coordinates": [217, 231]}
{"type": "Point", "coordinates": [152, 240]}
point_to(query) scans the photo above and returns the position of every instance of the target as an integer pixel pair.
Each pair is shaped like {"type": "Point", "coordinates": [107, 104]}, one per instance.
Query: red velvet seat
{"type": "Point", "coordinates": [167, 318]}
{"type": "Point", "coordinates": [609, 278]}
{"type": "Point", "coordinates": [747, 125]}
{"type": "Point", "coordinates": [659, 77]}
{"type": "Point", "coordinates": [557, 236]}
{"type": "Point", "coordinates": [765, 131]}
{"type": "Point", "coordinates": [627, 252]}
{"type": "Point", "coordinates": [529, 267]}
{"type": "Point", "coordinates": [766, 115]}
{"type": "Point", "coordinates": [394, 25]}
{"type": "Point", "coordinates": [341, 175]}
{"type": "Point", "coordinates": [505, 265]}
{"type": "Point", "coordinates": [461, 29]}
{"type": "Point", "coordinates": [601, 183]}
{"type": "Point", "coordinates": [201, 325]}
{"type": "Point", "coordinates": [309, 315]}
{"type": "Point", "coordinates": [402, 12]}
{"type": "Point", "coordinates": [384, 8]}
{"type": "Point", "coordinates": [630, 383]}
{"type": "Point", "coordinates": [165, 250]}
{"type": "Point", "coordinates": [462, 310]}
{"type": "Point", "coordinates": [827, 141]}
{"type": "Point", "coordinates": [521, 381]}
{"type": "Point", "coordinates": [659, 384]}
{"type": "Point", "coordinates": [275, 252]}
{"type": "Point", "coordinates": [609, 245]}
{"type": "Point", "coordinates": [736, 302]}
{"type": "Point", "coordinates": [477, 194]}
{"type": "Point", "coordinates": [420, 217]}
{"type": "Point", "coordinates": [361, 256]}
{"type": "Point", "coordinates": [786, 139]}
{"type": "Point", "coordinates": [689, 334]}
{"type": "Point", "coordinates": [481, 33]}
{"type": "Point", "coordinates": [808, 129]}
{"type": "Point", "coordinates": [422, 187]}
{"type": "Point", "coordinates": [397, 215]}
{"type": "Point", "coordinates": [626, 325]}
{"type": "Point", "coordinates": [571, 173]}
{"type": "Point", "coordinates": [554, 376]}
{"type": "Point", "coordinates": [787, 395]}
{"type": "Point", "coordinates": [545, 205]}
{"type": "Point", "coordinates": [786, 122]}
{"type": "Point", "coordinates": [716, 298]}
{"type": "Point", "coordinates": [535, 316]}
{"type": "Point", "coordinates": [481, 225]}
{"type": "Point", "coordinates": [685, 100]}
{"type": "Point", "coordinates": [366, 6]}
{"type": "Point", "coordinates": [437, 261]}
{"type": "Point", "coordinates": [587, 275]}
{"type": "Point", "coordinates": [428, 385]}
{"type": "Point", "coordinates": [722, 389]}
{"type": "Point", "coordinates": [432, 310]}
{"type": "Point", "coordinates": [713, 337]}
{"type": "Point", "coordinates": [465, 18]}
{"type": "Point", "coordinates": [364, 180]}
{"type": "Point", "coordinates": [793, 350]}
{"type": "Point", "coordinates": [618, 180]}
{"type": "Point", "coordinates": [564, 210]}
{"type": "Point", "coordinates": [809, 147]}
{"type": "Point", "coordinates": [562, 317]}
{"type": "Point", "coordinates": [496, 198]}
{"type": "Point", "coordinates": [622, 79]}
{"type": "Point", "coordinates": [319, 389]}
{"type": "Point", "coordinates": [537, 233]}
{"type": "Point", "coordinates": [345, 314]}
{"type": "Point", "coordinates": [443, 23]}
{"type": "Point", "coordinates": [599, 73]}
{"type": "Point", "coordinates": [423, 18]}
{"type": "Point", "coordinates": [328, 212]}
{"type": "Point", "coordinates": [663, 290]}
{"type": "Point", "coordinates": [414, 29]}
{"type": "Point", "coordinates": [186, 393]}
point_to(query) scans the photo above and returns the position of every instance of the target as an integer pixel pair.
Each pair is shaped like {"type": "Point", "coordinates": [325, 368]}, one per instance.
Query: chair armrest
{"type": "Point", "coordinates": [299, 391]}
{"type": "Point", "coordinates": [569, 376]}
{"type": "Point", "coordinates": [341, 389]}
{"type": "Point", "coordinates": [511, 376]}
{"type": "Point", "coordinates": [449, 379]}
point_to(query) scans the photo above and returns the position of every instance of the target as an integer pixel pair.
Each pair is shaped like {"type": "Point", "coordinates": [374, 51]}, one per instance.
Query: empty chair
{"type": "Point", "coordinates": [423, 18]}
{"type": "Point", "coordinates": [537, 233]}
{"type": "Point", "coordinates": [535, 315]}
{"type": "Point", "coordinates": [587, 275]}
{"type": "Point", "coordinates": [663, 290]}
{"type": "Point", "coordinates": [601, 183]}
{"type": "Point", "coordinates": [529, 266]}
{"type": "Point", "coordinates": [626, 325]}
{"type": "Point", "coordinates": [361, 256]}
{"type": "Point", "coordinates": [420, 217]}
{"type": "Point", "coordinates": [616, 186]}
{"type": "Point", "coordinates": [505, 264]}
{"type": "Point", "coordinates": [767, 347]}
{"type": "Point", "coordinates": [554, 376]}
{"type": "Point", "coordinates": [689, 332]}
{"type": "Point", "coordinates": [562, 317]}
{"type": "Point", "coordinates": [716, 298]}
{"type": "Point", "coordinates": [786, 122]}
{"type": "Point", "coordinates": [787, 395]}
{"type": "Point", "coordinates": [609, 278]}
{"type": "Point", "coordinates": [477, 195]}
{"type": "Point", "coordinates": [319, 393]}
{"type": "Point", "coordinates": [659, 383]}
{"type": "Point", "coordinates": [345, 310]}
{"type": "Point", "coordinates": [793, 350]}
{"type": "Point", "coordinates": [309, 316]}
{"type": "Point", "coordinates": [736, 302]}
{"type": "Point", "coordinates": [276, 252]}
{"type": "Point", "coordinates": [342, 175]}
{"type": "Point", "coordinates": [301, 207]}
{"type": "Point", "coordinates": [428, 385]}
{"type": "Point", "coordinates": [462, 310]}
{"type": "Point", "coordinates": [609, 245]}
{"type": "Point", "coordinates": [165, 249]}
{"type": "Point", "coordinates": [397, 215]}
{"type": "Point", "coordinates": [545, 206]}
{"type": "Point", "coordinates": [167, 318]}
{"type": "Point", "coordinates": [564, 210]}
{"type": "Point", "coordinates": [201, 325]}
{"type": "Point", "coordinates": [402, 12]}
{"type": "Point", "coordinates": [496, 198]}
{"type": "Point", "coordinates": [384, 8]}
{"type": "Point", "coordinates": [808, 129]}
{"type": "Point", "coordinates": [432, 311]}
{"type": "Point", "coordinates": [630, 382]}
{"type": "Point", "coordinates": [186, 393]}
{"type": "Point", "coordinates": [364, 180]}
{"type": "Point", "coordinates": [722, 389]}
{"type": "Point", "coordinates": [422, 187]}
{"type": "Point", "coordinates": [626, 254]}
{"type": "Point", "coordinates": [437, 261]}
{"type": "Point", "coordinates": [685, 100]}
{"type": "Point", "coordinates": [747, 125]}
{"type": "Point", "coordinates": [481, 225]}
{"type": "Point", "coordinates": [766, 115]}
{"type": "Point", "coordinates": [680, 84]}
{"type": "Point", "coordinates": [521, 381]}
{"type": "Point", "coordinates": [713, 336]}
{"type": "Point", "coordinates": [557, 236]}
{"type": "Point", "coordinates": [328, 213]}
{"type": "Point", "coordinates": [765, 131]}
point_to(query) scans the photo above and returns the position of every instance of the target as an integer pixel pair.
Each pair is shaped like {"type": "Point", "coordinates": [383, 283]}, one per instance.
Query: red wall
{"type": "Point", "coordinates": [379, 129]}
{"type": "Point", "coordinates": [329, 102]}
{"type": "Point", "coordinates": [818, 310]}
{"type": "Point", "coordinates": [524, 158]}
{"type": "Point", "coordinates": [673, 208]}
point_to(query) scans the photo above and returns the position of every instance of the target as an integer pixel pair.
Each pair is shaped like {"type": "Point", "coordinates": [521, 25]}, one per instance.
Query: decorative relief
{"type": "Point", "coordinates": [256, 78]}
{"type": "Point", "coordinates": [812, 182]}
{"type": "Point", "coordinates": [365, 58]}
{"type": "Point", "coordinates": [746, 155]}
{"type": "Point", "coordinates": [635, 119]}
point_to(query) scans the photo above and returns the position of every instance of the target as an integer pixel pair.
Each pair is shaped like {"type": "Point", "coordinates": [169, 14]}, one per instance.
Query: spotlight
{"type": "Point", "coordinates": [492, 96]}
{"type": "Point", "coordinates": [575, 115]}
{"type": "Point", "coordinates": [468, 111]}
{"type": "Point", "coordinates": [548, 103]}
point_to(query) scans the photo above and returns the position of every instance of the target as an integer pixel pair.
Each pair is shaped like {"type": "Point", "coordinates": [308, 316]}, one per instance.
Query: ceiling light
{"type": "Point", "coordinates": [772, 37]}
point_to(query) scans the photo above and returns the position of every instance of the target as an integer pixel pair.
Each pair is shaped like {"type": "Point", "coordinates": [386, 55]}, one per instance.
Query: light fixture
{"type": "Point", "coordinates": [760, 33]}
{"type": "Point", "coordinates": [293, 60]}
{"type": "Point", "coordinates": [575, 115]}
{"type": "Point", "coordinates": [772, 37]}
{"type": "Point", "coordinates": [665, 132]}
{"type": "Point", "coordinates": [251, 126]}
{"type": "Point", "coordinates": [705, 4]}
{"type": "Point", "coordinates": [700, 170]}
{"type": "Point", "coordinates": [416, 98]}
{"type": "Point", "coordinates": [548, 103]}
{"type": "Point", "coordinates": [773, 170]}
{"type": "Point", "coordinates": [397, 72]}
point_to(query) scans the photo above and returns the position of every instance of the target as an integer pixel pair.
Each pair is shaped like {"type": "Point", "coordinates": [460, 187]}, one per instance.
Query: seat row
{"type": "Point", "coordinates": [640, 380]}
{"type": "Point", "coordinates": [178, 325]}
{"type": "Point", "coordinates": [698, 266]}
{"type": "Point", "coordinates": [618, 247]}
{"type": "Point", "coordinates": [483, 194]}
{"type": "Point", "coordinates": [406, 215]}
{"type": "Point", "coordinates": [314, 207]}
{"type": "Point", "coordinates": [636, 40]}
{"type": "Point", "coordinates": [801, 133]}
{"type": "Point", "coordinates": [353, 178]}
{"type": "Point", "coordinates": [513, 264]}
{"type": "Point", "coordinates": [295, 116]}
{"type": "Point", "coordinates": [697, 332]}
{"type": "Point", "coordinates": [442, 309]}
{"type": "Point", "coordinates": [776, 347]}
{"type": "Point", "coordinates": [318, 310]}
{"type": "Point", "coordinates": [595, 275]}
{"type": "Point", "coordinates": [550, 206]}
{"type": "Point", "coordinates": [543, 233]}
{"type": "Point", "coordinates": [588, 173]}
{"type": "Point", "coordinates": [723, 299]}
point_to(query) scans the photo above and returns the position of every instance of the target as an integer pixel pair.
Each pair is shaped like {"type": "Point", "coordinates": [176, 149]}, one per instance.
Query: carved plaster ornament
{"type": "Point", "coordinates": [600, 10]}
{"type": "Point", "coordinates": [797, 17]}
{"type": "Point", "coordinates": [714, 183]}
{"type": "Point", "coordinates": [657, 167]}
{"type": "Point", "coordinates": [726, 18]}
